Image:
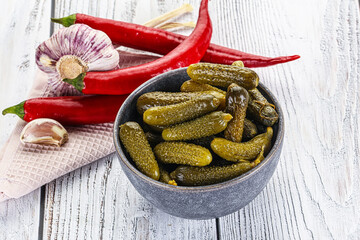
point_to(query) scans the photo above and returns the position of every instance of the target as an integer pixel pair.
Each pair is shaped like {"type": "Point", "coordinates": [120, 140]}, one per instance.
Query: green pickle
{"type": "Point", "coordinates": [138, 147]}
{"type": "Point", "coordinates": [235, 152]}
{"type": "Point", "coordinates": [250, 129]}
{"type": "Point", "coordinates": [237, 99]}
{"type": "Point", "coordinates": [193, 86]}
{"type": "Point", "coordinates": [154, 99]}
{"type": "Point", "coordinates": [223, 75]}
{"type": "Point", "coordinates": [204, 126]}
{"type": "Point", "coordinates": [182, 153]}
{"type": "Point", "coordinates": [199, 176]}
{"type": "Point", "coordinates": [260, 109]}
{"type": "Point", "coordinates": [181, 112]}
{"type": "Point", "coordinates": [221, 97]}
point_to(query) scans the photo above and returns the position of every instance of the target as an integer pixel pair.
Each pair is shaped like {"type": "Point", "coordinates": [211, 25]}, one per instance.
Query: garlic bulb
{"type": "Point", "coordinates": [72, 51]}
{"type": "Point", "coordinates": [44, 131]}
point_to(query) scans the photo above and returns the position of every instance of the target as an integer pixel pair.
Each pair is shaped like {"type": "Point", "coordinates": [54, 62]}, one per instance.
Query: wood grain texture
{"type": "Point", "coordinates": [97, 201]}
{"type": "Point", "coordinates": [315, 192]}
{"type": "Point", "coordinates": [22, 29]}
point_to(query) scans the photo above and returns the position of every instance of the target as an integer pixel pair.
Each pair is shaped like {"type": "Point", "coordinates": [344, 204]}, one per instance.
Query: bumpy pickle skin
{"type": "Point", "coordinates": [199, 176]}
{"type": "Point", "coordinates": [237, 99]}
{"type": "Point", "coordinates": [155, 99]}
{"type": "Point", "coordinates": [223, 75]}
{"type": "Point", "coordinates": [204, 126]}
{"type": "Point", "coordinates": [133, 138]}
{"type": "Point", "coordinates": [181, 112]}
{"type": "Point", "coordinates": [260, 109]}
{"type": "Point", "coordinates": [235, 152]}
{"type": "Point", "coordinates": [193, 86]}
{"type": "Point", "coordinates": [221, 97]}
{"type": "Point", "coordinates": [182, 153]}
{"type": "Point", "coordinates": [250, 130]}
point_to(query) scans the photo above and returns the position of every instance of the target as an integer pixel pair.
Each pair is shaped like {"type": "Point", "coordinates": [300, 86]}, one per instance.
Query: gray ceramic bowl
{"type": "Point", "coordinates": [201, 202]}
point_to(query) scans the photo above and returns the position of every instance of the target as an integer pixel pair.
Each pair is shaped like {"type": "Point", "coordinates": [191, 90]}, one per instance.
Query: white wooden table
{"type": "Point", "coordinates": [315, 191]}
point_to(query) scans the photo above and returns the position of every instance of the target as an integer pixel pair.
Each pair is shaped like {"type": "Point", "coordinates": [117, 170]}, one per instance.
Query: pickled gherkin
{"type": "Point", "coordinates": [260, 109]}
{"type": "Point", "coordinates": [181, 112]}
{"type": "Point", "coordinates": [237, 99]}
{"type": "Point", "coordinates": [154, 99]}
{"type": "Point", "coordinates": [197, 176]}
{"type": "Point", "coordinates": [250, 129]}
{"type": "Point", "coordinates": [221, 97]}
{"type": "Point", "coordinates": [234, 152]}
{"type": "Point", "coordinates": [193, 86]}
{"type": "Point", "coordinates": [134, 140]}
{"type": "Point", "coordinates": [223, 75]}
{"type": "Point", "coordinates": [182, 153]}
{"type": "Point", "coordinates": [204, 126]}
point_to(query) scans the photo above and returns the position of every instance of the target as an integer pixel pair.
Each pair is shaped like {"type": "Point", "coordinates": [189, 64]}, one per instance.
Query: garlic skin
{"type": "Point", "coordinates": [72, 51]}
{"type": "Point", "coordinates": [44, 131]}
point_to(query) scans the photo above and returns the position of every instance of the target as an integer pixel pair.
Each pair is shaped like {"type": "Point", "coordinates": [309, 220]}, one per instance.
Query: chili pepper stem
{"type": "Point", "coordinates": [65, 21]}
{"type": "Point", "coordinates": [17, 109]}
{"type": "Point", "coordinates": [77, 82]}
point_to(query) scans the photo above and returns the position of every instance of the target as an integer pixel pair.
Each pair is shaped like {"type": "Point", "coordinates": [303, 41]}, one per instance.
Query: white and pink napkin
{"type": "Point", "coordinates": [24, 168]}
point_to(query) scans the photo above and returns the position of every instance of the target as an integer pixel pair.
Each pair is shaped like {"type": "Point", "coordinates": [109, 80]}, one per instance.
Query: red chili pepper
{"type": "Point", "coordinates": [70, 110]}
{"type": "Point", "coordinates": [123, 81]}
{"type": "Point", "coordinates": [162, 42]}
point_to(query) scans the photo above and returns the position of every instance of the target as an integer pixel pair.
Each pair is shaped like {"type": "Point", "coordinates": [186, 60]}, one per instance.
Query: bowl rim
{"type": "Point", "coordinates": [228, 183]}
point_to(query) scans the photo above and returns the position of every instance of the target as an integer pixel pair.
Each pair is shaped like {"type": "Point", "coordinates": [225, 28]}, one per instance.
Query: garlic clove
{"type": "Point", "coordinates": [44, 131]}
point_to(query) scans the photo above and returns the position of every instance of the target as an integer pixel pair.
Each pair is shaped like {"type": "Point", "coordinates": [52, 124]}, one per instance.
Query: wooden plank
{"type": "Point", "coordinates": [23, 25]}
{"type": "Point", "coordinates": [315, 192]}
{"type": "Point", "coordinates": [97, 201]}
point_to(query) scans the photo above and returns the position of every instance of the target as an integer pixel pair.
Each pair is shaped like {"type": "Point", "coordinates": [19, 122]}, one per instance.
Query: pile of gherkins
{"type": "Point", "coordinates": [200, 136]}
